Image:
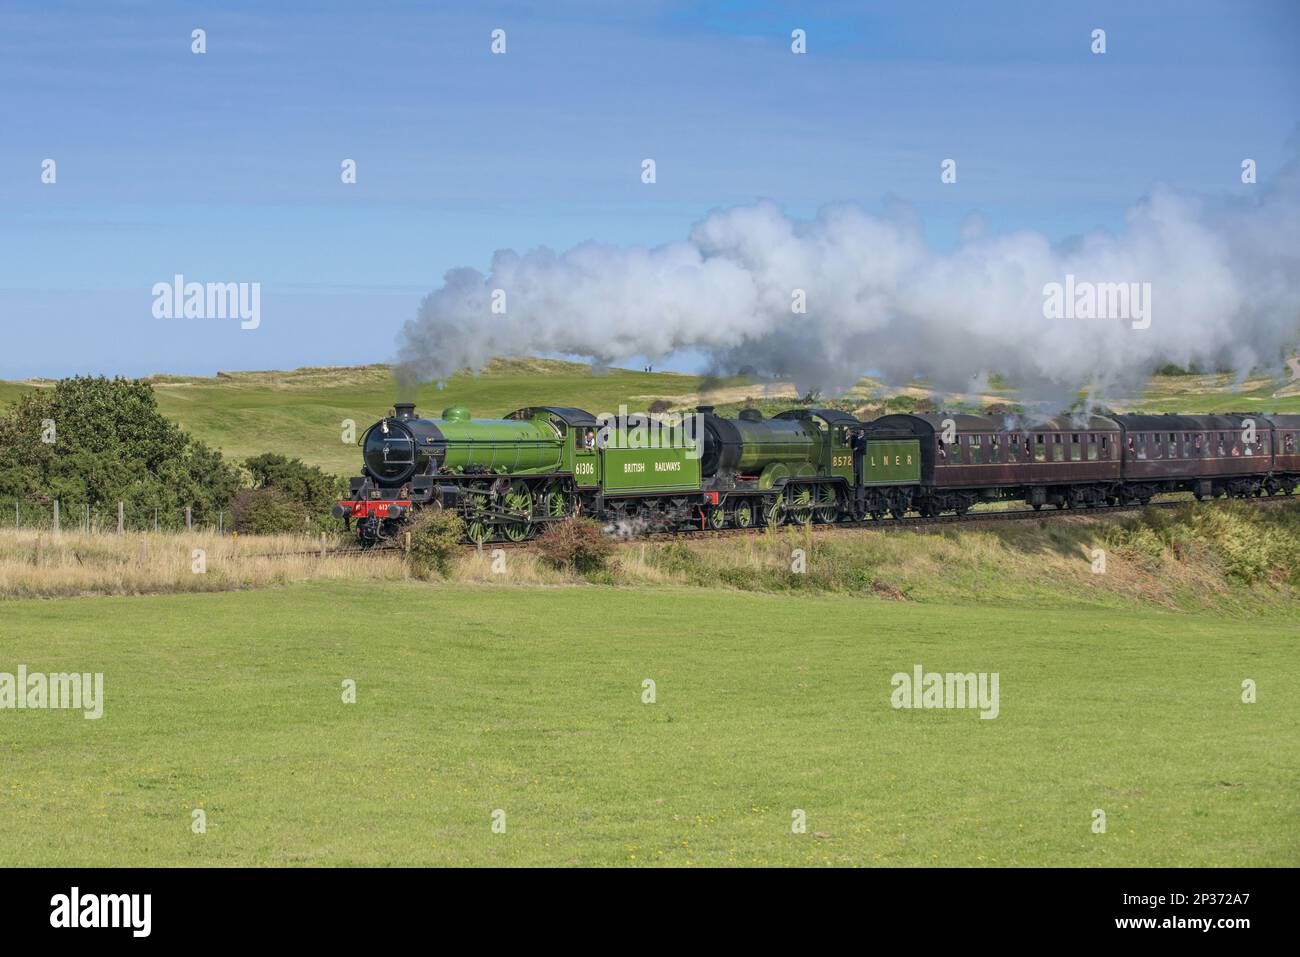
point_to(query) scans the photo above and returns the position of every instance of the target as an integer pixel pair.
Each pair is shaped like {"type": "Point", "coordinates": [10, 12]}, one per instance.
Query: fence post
{"type": "Point", "coordinates": [15, 515]}
{"type": "Point", "coordinates": [322, 544]}
{"type": "Point", "coordinates": [406, 542]}
{"type": "Point", "coordinates": [221, 523]}
{"type": "Point", "coordinates": [56, 515]}
{"type": "Point", "coordinates": [155, 519]}
{"type": "Point", "coordinates": [189, 519]}
{"type": "Point", "coordinates": [121, 517]}
{"type": "Point", "coordinates": [87, 518]}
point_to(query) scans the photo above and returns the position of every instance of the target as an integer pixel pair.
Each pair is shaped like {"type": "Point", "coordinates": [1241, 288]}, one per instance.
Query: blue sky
{"type": "Point", "coordinates": [225, 166]}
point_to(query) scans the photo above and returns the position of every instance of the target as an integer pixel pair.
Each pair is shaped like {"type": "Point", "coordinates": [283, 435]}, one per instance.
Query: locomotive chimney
{"type": "Point", "coordinates": [405, 410]}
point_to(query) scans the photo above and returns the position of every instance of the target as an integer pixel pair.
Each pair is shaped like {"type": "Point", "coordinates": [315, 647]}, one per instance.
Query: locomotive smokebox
{"type": "Point", "coordinates": [405, 410]}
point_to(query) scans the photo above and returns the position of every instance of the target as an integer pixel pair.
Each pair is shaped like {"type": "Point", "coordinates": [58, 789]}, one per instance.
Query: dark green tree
{"type": "Point", "coordinates": [97, 441]}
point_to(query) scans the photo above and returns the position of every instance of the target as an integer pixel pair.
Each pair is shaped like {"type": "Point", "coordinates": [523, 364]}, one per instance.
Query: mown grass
{"type": "Point", "coordinates": [529, 701]}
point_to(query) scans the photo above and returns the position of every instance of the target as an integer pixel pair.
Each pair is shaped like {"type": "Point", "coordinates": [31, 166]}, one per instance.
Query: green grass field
{"type": "Point", "coordinates": [472, 699]}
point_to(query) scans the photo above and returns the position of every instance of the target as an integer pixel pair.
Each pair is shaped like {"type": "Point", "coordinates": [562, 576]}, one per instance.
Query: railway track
{"type": "Point", "coordinates": [916, 521]}
{"type": "Point", "coordinates": [394, 548]}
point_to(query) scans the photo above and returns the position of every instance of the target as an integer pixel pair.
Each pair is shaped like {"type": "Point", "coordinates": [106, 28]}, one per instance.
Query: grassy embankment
{"type": "Point", "coordinates": [1234, 558]}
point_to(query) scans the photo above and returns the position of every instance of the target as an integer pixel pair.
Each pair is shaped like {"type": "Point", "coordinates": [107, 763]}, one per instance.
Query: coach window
{"type": "Point", "coordinates": [1040, 448]}
{"type": "Point", "coordinates": [1264, 443]}
{"type": "Point", "coordinates": [1288, 443]}
{"type": "Point", "coordinates": [995, 450]}
{"type": "Point", "coordinates": [976, 449]}
{"type": "Point", "coordinates": [1076, 449]}
{"type": "Point", "coordinates": [1105, 447]}
{"type": "Point", "coordinates": [1058, 449]}
{"type": "Point", "coordinates": [1012, 445]}
{"type": "Point", "coordinates": [940, 452]}
{"type": "Point", "coordinates": [1141, 444]}
{"type": "Point", "coordinates": [1092, 447]}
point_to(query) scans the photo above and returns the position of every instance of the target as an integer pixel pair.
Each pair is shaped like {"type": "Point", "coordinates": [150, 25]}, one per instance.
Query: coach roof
{"type": "Point", "coordinates": [931, 422]}
{"type": "Point", "coordinates": [1183, 423]}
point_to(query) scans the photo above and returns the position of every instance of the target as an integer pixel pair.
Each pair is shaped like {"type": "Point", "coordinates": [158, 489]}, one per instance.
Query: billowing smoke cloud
{"type": "Point", "coordinates": [1224, 293]}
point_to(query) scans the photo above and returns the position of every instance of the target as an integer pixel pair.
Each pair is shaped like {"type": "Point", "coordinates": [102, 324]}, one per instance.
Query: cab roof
{"type": "Point", "coordinates": [569, 416]}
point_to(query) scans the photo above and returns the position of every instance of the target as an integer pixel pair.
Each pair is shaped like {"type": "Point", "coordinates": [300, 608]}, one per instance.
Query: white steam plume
{"type": "Point", "coordinates": [1225, 293]}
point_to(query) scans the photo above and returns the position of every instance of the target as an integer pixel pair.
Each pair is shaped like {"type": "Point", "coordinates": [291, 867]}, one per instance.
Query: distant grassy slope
{"type": "Point", "coordinates": [1218, 393]}
{"type": "Point", "coordinates": [300, 413]}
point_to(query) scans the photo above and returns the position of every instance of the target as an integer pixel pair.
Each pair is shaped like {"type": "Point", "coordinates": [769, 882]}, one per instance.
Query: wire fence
{"type": "Point", "coordinates": [114, 518]}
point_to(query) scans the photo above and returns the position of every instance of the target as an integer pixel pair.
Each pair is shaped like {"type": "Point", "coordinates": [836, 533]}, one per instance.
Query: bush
{"type": "Point", "coordinates": [108, 443]}
{"type": "Point", "coordinates": [436, 536]}
{"type": "Point", "coordinates": [265, 511]}
{"type": "Point", "coordinates": [678, 558]}
{"type": "Point", "coordinates": [575, 544]}
{"type": "Point", "coordinates": [306, 487]}
{"type": "Point", "coordinates": [659, 405]}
